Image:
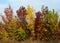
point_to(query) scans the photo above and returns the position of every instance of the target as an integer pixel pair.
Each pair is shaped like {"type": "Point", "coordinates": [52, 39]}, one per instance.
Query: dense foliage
{"type": "Point", "coordinates": [43, 25]}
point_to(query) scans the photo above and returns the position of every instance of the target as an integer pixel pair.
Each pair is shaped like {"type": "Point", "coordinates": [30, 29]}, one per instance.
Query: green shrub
{"type": "Point", "coordinates": [20, 34]}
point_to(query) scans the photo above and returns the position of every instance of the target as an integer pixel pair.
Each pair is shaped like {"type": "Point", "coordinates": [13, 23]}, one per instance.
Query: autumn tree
{"type": "Point", "coordinates": [38, 24]}
{"type": "Point", "coordinates": [30, 19]}
{"type": "Point", "coordinates": [50, 23]}
{"type": "Point", "coordinates": [9, 15]}
{"type": "Point", "coordinates": [21, 13]}
{"type": "Point", "coordinates": [3, 33]}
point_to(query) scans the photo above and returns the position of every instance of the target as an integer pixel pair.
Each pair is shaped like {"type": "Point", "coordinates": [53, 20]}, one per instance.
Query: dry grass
{"type": "Point", "coordinates": [31, 41]}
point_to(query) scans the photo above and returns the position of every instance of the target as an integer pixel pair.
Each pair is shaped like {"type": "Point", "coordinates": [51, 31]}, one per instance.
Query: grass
{"type": "Point", "coordinates": [31, 41]}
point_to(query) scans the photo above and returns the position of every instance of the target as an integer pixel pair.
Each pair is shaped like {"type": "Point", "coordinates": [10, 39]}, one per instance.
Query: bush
{"type": "Point", "coordinates": [20, 34]}
{"type": "Point", "coordinates": [1, 35]}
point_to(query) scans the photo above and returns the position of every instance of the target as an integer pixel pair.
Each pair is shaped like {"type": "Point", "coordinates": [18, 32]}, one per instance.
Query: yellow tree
{"type": "Point", "coordinates": [11, 28]}
{"type": "Point", "coordinates": [30, 19]}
